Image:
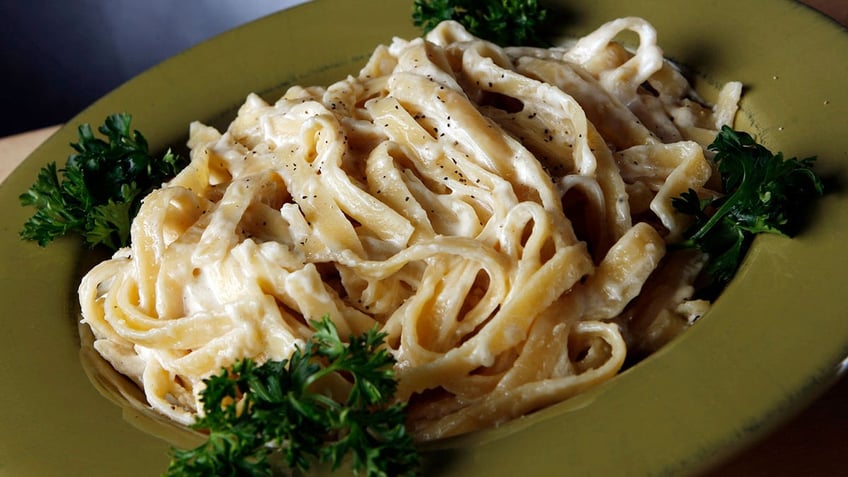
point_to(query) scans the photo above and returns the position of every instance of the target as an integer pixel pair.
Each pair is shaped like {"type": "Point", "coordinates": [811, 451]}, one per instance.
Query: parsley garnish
{"type": "Point", "coordinates": [763, 193]}
{"type": "Point", "coordinates": [505, 22]}
{"type": "Point", "coordinates": [255, 412]}
{"type": "Point", "coordinates": [100, 188]}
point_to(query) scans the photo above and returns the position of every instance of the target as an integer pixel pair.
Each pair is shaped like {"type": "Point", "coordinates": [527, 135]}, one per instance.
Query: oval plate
{"type": "Point", "coordinates": [772, 342]}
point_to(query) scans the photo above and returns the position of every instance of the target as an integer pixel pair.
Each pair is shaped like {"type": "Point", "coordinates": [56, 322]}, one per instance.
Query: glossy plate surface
{"type": "Point", "coordinates": [772, 342]}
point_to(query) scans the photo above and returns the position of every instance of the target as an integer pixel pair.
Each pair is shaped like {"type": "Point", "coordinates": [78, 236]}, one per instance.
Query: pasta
{"type": "Point", "coordinates": [502, 213]}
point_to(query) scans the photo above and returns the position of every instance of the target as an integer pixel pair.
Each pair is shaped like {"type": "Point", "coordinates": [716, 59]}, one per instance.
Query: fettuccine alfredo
{"type": "Point", "coordinates": [502, 213]}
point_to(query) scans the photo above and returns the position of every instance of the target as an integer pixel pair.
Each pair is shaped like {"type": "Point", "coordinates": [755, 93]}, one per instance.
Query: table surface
{"type": "Point", "coordinates": [813, 443]}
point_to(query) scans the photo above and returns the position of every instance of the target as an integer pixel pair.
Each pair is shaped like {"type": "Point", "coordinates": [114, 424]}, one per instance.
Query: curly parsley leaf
{"type": "Point", "coordinates": [254, 413]}
{"type": "Point", "coordinates": [763, 193]}
{"type": "Point", "coordinates": [99, 190]}
{"type": "Point", "coordinates": [505, 22]}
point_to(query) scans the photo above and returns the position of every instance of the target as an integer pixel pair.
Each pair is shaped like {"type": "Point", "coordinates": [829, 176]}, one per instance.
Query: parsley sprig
{"type": "Point", "coordinates": [99, 190]}
{"type": "Point", "coordinates": [254, 412]}
{"type": "Point", "coordinates": [505, 22]}
{"type": "Point", "coordinates": [763, 193]}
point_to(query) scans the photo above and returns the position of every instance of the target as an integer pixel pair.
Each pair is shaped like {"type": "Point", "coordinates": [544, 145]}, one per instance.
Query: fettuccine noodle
{"type": "Point", "coordinates": [502, 213]}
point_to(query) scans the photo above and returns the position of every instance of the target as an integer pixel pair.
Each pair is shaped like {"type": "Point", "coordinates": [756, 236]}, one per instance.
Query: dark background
{"type": "Point", "coordinates": [58, 56]}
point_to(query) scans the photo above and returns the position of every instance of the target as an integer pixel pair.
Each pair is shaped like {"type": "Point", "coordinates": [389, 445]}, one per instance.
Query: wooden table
{"type": "Point", "coordinates": [812, 444]}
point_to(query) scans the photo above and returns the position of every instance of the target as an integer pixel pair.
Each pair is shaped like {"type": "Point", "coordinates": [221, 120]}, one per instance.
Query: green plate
{"type": "Point", "coordinates": [772, 342]}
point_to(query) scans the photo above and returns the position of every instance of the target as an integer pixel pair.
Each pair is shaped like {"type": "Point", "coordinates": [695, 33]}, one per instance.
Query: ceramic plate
{"type": "Point", "coordinates": [771, 343]}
